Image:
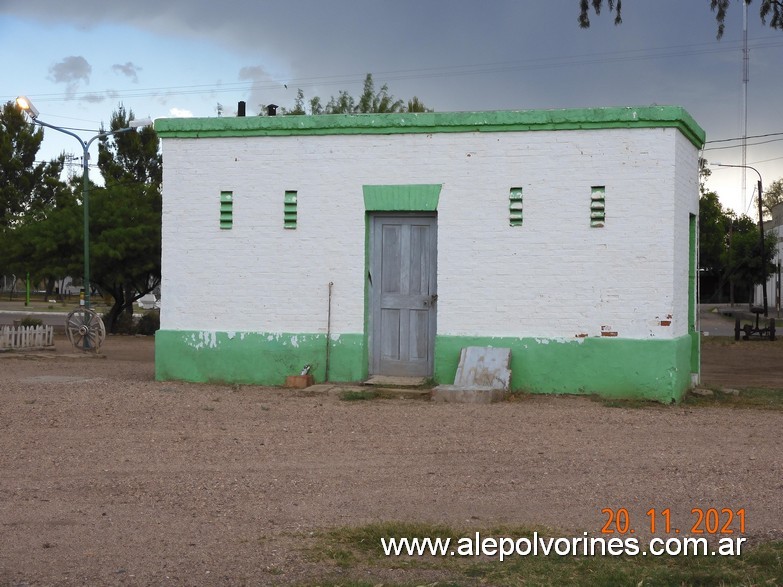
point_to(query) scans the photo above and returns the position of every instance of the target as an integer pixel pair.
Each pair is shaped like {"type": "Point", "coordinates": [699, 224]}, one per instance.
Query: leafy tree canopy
{"type": "Point", "coordinates": [730, 247]}
{"type": "Point", "coordinates": [773, 195]}
{"type": "Point", "coordinates": [769, 10]}
{"type": "Point", "coordinates": [42, 230]}
{"type": "Point", "coordinates": [370, 101]}
{"type": "Point", "coordinates": [27, 187]}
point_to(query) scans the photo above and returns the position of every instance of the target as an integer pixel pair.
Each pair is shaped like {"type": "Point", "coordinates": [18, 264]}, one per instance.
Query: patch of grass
{"type": "Point", "coordinates": [357, 552]}
{"type": "Point", "coordinates": [760, 399]}
{"type": "Point", "coordinates": [354, 396]}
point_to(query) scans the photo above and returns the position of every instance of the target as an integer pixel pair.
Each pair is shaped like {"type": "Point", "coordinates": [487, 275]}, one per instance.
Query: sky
{"type": "Point", "coordinates": [78, 61]}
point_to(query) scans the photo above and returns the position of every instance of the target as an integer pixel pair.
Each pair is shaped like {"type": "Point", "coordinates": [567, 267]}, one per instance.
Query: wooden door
{"type": "Point", "coordinates": [403, 294]}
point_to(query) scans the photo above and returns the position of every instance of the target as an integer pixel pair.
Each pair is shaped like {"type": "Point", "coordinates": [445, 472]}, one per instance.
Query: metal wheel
{"type": "Point", "coordinates": [85, 329]}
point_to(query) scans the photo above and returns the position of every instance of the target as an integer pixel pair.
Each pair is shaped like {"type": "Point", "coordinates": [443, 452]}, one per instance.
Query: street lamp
{"type": "Point", "coordinates": [761, 232]}
{"type": "Point", "coordinates": [27, 106]}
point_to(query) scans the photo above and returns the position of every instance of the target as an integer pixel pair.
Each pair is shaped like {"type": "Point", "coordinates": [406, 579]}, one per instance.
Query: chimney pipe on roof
{"type": "Point", "coordinates": [241, 108]}
{"type": "Point", "coordinates": [271, 110]}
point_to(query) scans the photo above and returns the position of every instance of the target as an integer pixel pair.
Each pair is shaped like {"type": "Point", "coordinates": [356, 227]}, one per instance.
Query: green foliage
{"type": "Point", "coordinates": [28, 321]}
{"type": "Point", "coordinates": [357, 553]}
{"type": "Point", "coordinates": [584, 11]}
{"type": "Point", "coordinates": [768, 7]}
{"type": "Point", "coordinates": [416, 105]}
{"type": "Point", "coordinates": [370, 101]}
{"type": "Point", "coordinates": [771, 10]}
{"type": "Point", "coordinates": [41, 218]}
{"type": "Point", "coordinates": [773, 195]}
{"type": "Point", "coordinates": [298, 108]}
{"type": "Point", "coordinates": [130, 156]}
{"type": "Point", "coordinates": [353, 396]}
{"type": "Point", "coordinates": [759, 399]}
{"type": "Point", "coordinates": [382, 101]}
{"type": "Point", "coordinates": [31, 197]}
{"type": "Point", "coordinates": [714, 223]}
{"type": "Point", "coordinates": [742, 259]}
{"type": "Point", "coordinates": [730, 247]}
{"type": "Point", "coordinates": [125, 243]}
{"type": "Point", "coordinates": [149, 323]}
{"type": "Point", "coordinates": [125, 216]}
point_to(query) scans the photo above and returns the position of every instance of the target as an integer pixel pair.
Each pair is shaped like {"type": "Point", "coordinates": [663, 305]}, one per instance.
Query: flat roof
{"type": "Point", "coordinates": [435, 122]}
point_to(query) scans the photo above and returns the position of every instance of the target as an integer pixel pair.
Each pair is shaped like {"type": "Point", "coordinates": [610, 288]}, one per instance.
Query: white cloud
{"type": "Point", "coordinates": [180, 113]}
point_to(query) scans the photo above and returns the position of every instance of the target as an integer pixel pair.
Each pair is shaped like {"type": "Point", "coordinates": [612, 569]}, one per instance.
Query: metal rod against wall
{"type": "Point", "coordinates": [328, 330]}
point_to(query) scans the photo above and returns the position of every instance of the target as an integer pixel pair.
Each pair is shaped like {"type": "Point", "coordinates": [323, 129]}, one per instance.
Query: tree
{"type": "Point", "coordinates": [315, 106]}
{"type": "Point", "coordinates": [743, 256]}
{"type": "Point", "coordinates": [25, 186]}
{"type": "Point", "coordinates": [125, 216]}
{"type": "Point", "coordinates": [343, 104]}
{"type": "Point", "coordinates": [125, 245]}
{"type": "Point", "coordinates": [729, 250]}
{"type": "Point", "coordinates": [130, 156]}
{"type": "Point", "coordinates": [369, 101]}
{"type": "Point", "coordinates": [381, 101]}
{"type": "Point", "coordinates": [772, 9]}
{"type": "Point", "coordinates": [299, 104]}
{"type": "Point", "coordinates": [30, 194]}
{"type": "Point", "coordinates": [773, 195]}
{"type": "Point", "coordinates": [416, 105]}
{"type": "Point", "coordinates": [714, 225]}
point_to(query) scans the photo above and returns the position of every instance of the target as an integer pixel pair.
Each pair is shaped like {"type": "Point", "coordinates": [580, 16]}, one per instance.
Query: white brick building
{"type": "Point", "coordinates": [567, 235]}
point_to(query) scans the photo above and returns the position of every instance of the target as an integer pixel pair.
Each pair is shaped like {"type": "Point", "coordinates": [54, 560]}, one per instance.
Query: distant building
{"type": "Point", "coordinates": [568, 236]}
{"type": "Point", "coordinates": [774, 230]}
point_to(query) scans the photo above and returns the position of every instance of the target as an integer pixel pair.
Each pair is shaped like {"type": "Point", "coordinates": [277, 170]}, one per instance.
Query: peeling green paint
{"type": "Point", "coordinates": [620, 368]}
{"type": "Point", "coordinates": [255, 357]}
{"type": "Point", "coordinates": [436, 122]}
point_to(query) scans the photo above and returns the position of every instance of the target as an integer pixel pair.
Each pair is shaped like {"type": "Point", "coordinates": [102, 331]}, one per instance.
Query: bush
{"type": "Point", "coordinates": [30, 321]}
{"type": "Point", "coordinates": [149, 323]}
{"type": "Point", "coordinates": [123, 324]}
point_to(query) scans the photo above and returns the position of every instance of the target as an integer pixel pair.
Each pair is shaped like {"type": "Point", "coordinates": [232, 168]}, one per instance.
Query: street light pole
{"type": "Point", "coordinates": [27, 106]}
{"type": "Point", "coordinates": [761, 233]}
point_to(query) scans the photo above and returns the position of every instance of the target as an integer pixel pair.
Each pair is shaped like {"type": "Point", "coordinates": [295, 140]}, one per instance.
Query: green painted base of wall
{"type": "Point", "coordinates": [611, 367]}
{"type": "Point", "coordinates": [657, 370]}
{"type": "Point", "coordinates": [256, 358]}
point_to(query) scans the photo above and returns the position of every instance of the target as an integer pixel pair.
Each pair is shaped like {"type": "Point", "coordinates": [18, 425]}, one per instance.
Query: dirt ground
{"type": "Point", "coordinates": [111, 478]}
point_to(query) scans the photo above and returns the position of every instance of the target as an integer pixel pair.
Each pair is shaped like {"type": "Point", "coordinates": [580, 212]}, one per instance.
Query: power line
{"type": "Point", "coordinates": [603, 58]}
{"type": "Point", "coordinates": [740, 146]}
{"type": "Point", "coordinates": [769, 134]}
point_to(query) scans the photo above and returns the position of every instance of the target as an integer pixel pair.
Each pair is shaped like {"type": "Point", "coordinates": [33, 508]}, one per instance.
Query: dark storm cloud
{"type": "Point", "coordinates": [501, 54]}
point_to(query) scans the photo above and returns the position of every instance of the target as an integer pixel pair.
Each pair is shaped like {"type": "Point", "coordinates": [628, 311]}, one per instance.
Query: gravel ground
{"type": "Point", "coordinates": [112, 478]}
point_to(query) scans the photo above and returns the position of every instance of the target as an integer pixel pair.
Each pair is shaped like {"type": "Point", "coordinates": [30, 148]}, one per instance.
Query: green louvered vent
{"type": "Point", "coordinates": [598, 206]}
{"type": "Point", "coordinates": [515, 207]}
{"type": "Point", "coordinates": [226, 210]}
{"type": "Point", "coordinates": [289, 210]}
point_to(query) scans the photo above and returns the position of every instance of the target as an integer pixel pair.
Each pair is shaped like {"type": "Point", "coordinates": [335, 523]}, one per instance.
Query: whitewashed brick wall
{"type": "Point", "coordinates": [553, 277]}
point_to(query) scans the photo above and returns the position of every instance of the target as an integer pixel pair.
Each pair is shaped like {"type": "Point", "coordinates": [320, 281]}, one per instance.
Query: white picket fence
{"type": "Point", "coordinates": [26, 337]}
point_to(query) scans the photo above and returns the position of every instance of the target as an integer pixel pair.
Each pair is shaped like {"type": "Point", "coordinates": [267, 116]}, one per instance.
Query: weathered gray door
{"type": "Point", "coordinates": [402, 294]}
